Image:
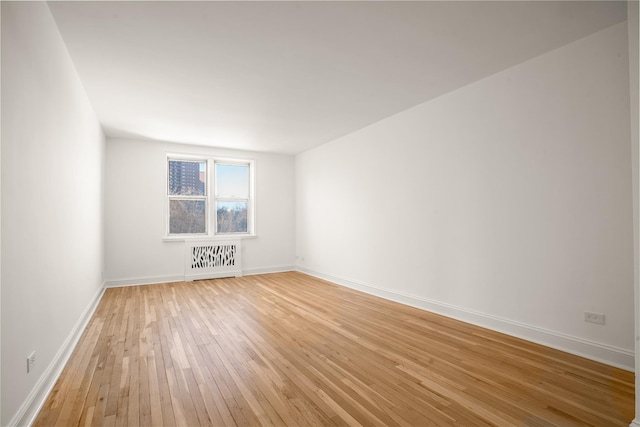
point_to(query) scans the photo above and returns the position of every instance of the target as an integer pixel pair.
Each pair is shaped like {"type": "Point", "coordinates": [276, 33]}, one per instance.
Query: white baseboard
{"type": "Point", "coordinates": [149, 280]}
{"type": "Point", "coordinates": [30, 408]}
{"type": "Point", "coordinates": [635, 423]}
{"type": "Point", "coordinates": [268, 270]}
{"type": "Point", "coordinates": [206, 276]}
{"type": "Point", "coordinates": [610, 355]}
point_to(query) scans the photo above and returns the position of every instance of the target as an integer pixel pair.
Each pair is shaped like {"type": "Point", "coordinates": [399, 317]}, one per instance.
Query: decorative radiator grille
{"type": "Point", "coordinates": [212, 259]}
{"type": "Point", "coordinates": [213, 256]}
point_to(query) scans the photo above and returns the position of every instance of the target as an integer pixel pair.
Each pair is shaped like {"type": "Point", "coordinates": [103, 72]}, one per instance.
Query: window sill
{"type": "Point", "coordinates": [208, 238]}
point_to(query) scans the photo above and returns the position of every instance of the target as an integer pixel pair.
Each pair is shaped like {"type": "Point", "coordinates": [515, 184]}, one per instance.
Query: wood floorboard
{"type": "Point", "coordinates": [290, 349]}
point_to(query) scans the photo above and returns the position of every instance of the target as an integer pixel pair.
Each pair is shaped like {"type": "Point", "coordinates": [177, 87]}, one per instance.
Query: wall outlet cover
{"type": "Point", "coordinates": [597, 318]}
{"type": "Point", "coordinates": [31, 361]}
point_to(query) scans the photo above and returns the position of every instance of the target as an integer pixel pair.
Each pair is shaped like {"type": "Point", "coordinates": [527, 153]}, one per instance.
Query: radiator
{"type": "Point", "coordinates": [212, 259]}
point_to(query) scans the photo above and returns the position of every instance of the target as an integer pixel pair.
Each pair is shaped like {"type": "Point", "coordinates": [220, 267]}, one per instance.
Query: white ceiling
{"type": "Point", "coordinates": [288, 76]}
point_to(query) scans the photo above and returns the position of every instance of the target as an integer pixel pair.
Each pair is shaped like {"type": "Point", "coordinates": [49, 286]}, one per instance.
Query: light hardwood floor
{"type": "Point", "coordinates": [289, 349]}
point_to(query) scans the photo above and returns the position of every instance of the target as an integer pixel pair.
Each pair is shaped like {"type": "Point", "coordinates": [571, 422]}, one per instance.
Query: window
{"type": "Point", "coordinates": [187, 197]}
{"type": "Point", "coordinates": [190, 200]}
{"type": "Point", "coordinates": [232, 197]}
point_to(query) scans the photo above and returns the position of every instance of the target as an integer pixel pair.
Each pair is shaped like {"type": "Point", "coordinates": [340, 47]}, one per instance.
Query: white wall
{"type": "Point", "coordinates": [136, 216]}
{"type": "Point", "coordinates": [52, 234]}
{"type": "Point", "coordinates": [506, 203]}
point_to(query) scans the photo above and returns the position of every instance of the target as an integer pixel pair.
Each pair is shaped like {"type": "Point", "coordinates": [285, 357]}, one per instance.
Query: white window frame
{"type": "Point", "coordinates": [210, 198]}
{"type": "Point", "coordinates": [250, 200]}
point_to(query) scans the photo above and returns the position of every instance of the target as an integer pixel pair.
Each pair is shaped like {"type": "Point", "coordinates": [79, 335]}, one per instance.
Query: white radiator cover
{"type": "Point", "coordinates": [212, 259]}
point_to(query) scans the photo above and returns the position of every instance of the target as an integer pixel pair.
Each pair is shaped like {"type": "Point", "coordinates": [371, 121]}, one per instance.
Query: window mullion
{"type": "Point", "coordinates": [211, 194]}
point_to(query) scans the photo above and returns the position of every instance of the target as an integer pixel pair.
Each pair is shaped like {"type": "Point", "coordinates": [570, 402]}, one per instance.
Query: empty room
{"type": "Point", "coordinates": [307, 213]}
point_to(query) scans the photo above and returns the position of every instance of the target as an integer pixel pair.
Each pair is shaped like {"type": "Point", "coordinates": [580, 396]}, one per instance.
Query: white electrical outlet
{"type": "Point", "coordinates": [31, 361]}
{"type": "Point", "coordinates": [594, 318]}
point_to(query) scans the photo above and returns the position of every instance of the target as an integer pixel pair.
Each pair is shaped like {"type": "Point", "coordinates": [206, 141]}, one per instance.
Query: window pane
{"type": "Point", "coordinates": [187, 216]}
{"type": "Point", "coordinates": [232, 217]}
{"type": "Point", "coordinates": [232, 181]}
{"type": "Point", "coordinates": [187, 178]}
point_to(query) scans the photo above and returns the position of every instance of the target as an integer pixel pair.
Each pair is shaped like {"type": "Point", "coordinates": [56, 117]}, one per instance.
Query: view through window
{"type": "Point", "coordinates": [189, 197]}
{"type": "Point", "coordinates": [232, 197]}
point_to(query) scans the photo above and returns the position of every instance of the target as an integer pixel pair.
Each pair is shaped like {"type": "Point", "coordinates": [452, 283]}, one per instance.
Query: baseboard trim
{"type": "Point", "coordinates": [635, 423]}
{"type": "Point", "coordinates": [152, 280]}
{"type": "Point", "coordinates": [30, 408]}
{"type": "Point", "coordinates": [149, 280]}
{"type": "Point", "coordinates": [206, 276]}
{"type": "Point", "coordinates": [268, 270]}
{"type": "Point", "coordinates": [610, 355]}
